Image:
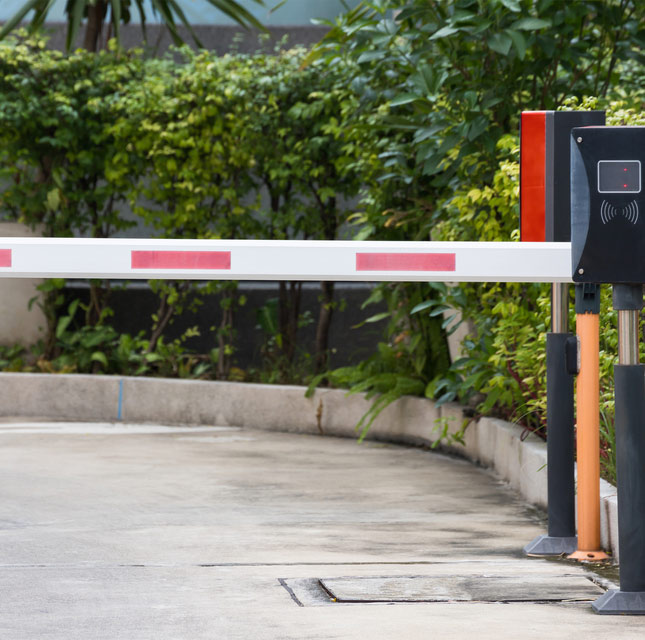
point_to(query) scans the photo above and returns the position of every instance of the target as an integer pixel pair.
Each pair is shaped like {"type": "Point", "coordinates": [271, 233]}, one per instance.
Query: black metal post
{"type": "Point", "coordinates": [561, 537]}
{"type": "Point", "coordinates": [629, 381]}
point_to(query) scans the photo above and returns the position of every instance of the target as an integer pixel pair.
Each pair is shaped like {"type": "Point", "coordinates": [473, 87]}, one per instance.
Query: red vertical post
{"type": "Point", "coordinates": [533, 178]}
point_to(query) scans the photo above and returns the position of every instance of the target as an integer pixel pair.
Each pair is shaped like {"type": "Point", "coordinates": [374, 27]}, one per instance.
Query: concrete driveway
{"type": "Point", "coordinates": [151, 532]}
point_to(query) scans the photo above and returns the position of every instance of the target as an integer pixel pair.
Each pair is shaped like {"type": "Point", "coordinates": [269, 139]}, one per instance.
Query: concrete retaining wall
{"type": "Point", "coordinates": [19, 323]}
{"type": "Point", "coordinates": [518, 458]}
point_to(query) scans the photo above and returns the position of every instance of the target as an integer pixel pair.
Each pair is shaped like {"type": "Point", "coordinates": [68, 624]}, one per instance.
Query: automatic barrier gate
{"type": "Point", "coordinates": [608, 246]}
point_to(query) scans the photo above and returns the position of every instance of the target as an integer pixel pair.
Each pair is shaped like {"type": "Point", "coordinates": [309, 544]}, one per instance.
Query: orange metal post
{"type": "Point", "coordinates": [588, 440]}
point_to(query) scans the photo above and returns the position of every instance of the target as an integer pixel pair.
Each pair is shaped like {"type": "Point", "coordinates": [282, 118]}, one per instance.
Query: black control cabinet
{"type": "Point", "coordinates": [608, 204]}
{"type": "Point", "coordinates": [558, 128]}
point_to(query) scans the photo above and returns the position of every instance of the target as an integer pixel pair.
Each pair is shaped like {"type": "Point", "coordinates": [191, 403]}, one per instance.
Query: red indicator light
{"type": "Point", "coordinates": [625, 169]}
{"type": "Point", "coordinates": [625, 186]}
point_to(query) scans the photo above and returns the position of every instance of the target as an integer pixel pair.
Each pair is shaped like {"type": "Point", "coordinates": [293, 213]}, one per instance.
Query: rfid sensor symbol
{"type": "Point", "coordinates": [631, 212]}
{"type": "Point", "coordinates": [608, 212]}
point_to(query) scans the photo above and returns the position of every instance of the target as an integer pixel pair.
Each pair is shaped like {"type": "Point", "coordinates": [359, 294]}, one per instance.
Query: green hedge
{"type": "Point", "coordinates": [441, 87]}
{"type": "Point", "coordinates": [198, 146]}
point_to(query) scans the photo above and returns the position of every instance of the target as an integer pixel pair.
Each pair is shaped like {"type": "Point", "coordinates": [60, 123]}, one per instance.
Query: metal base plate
{"type": "Point", "coordinates": [546, 545]}
{"type": "Point", "coordinates": [588, 556]}
{"type": "Point", "coordinates": [620, 603]}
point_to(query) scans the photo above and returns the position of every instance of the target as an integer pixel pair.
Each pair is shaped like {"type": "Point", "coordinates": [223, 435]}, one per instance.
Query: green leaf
{"type": "Point", "coordinates": [477, 127]}
{"type": "Point", "coordinates": [378, 317]}
{"type": "Point", "coordinates": [512, 5]}
{"type": "Point", "coordinates": [53, 199]}
{"type": "Point", "coordinates": [404, 98]}
{"type": "Point", "coordinates": [74, 17]}
{"type": "Point", "coordinates": [62, 325]}
{"type": "Point", "coordinates": [99, 356]}
{"type": "Point", "coordinates": [449, 396]}
{"type": "Point", "coordinates": [500, 42]}
{"type": "Point", "coordinates": [277, 6]}
{"type": "Point", "coordinates": [17, 17]}
{"type": "Point", "coordinates": [519, 41]}
{"type": "Point", "coordinates": [368, 56]}
{"type": "Point", "coordinates": [460, 15]}
{"type": "Point", "coordinates": [444, 32]}
{"type": "Point", "coordinates": [427, 304]}
{"type": "Point", "coordinates": [425, 133]}
{"type": "Point", "coordinates": [531, 24]}
{"type": "Point", "coordinates": [238, 13]}
{"type": "Point", "coordinates": [116, 19]}
{"type": "Point", "coordinates": [491, 399]}
{"type": "Point", "coordinates": [438, 310]}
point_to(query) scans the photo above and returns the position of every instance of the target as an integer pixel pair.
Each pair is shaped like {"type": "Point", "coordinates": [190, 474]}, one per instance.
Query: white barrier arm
{"type": "Point", "coordinates": [285, 260]}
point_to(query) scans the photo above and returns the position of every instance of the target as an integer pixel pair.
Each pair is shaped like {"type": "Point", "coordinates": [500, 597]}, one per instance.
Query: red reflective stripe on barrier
{"type": "Point", "coordinates": [532, 176]}
{"type": "Point", "coordinates": [405, 261]}
{"type": "Point", "coordinates": [181, 260]}
{"type": "Point", "coordinates": [5, 257]}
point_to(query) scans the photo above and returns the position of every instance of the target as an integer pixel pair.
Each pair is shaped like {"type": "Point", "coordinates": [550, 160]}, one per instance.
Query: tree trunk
{"type": "Point", "coordinates": [225, 336]}
{"type": "Point", "coordinates": [99, 295]}
{"type": "Point", "coordinates": [95, 17]}
{"type": "Point", "coordinates": [49, 308]}
{"type": "Point", "coordinates": [289, 312]}
{"type": "Point", "coordinates": [165, 313]}
{"type": "Point", "coordinates": [329, 216]}
{"type": "Point", "coordinates": [324, 322]}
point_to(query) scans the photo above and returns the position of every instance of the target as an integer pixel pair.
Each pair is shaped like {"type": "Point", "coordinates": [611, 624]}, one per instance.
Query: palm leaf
{"type": "Point", "coordinates": [75, 13]}
{"type": "Point", "coordinates": [115, 7]}
{"type": "Point", "coordinates": [162, 7]}
{"type": "Point", "coordinates": [17, 17]}
{"type": "Point", "coordinates": [174, 7]}
{"type": "Point", "coordinates": [40, 14]}
{"type": "Point", "coordinates": [169, 10]}
{"type": "Point", "coordinates": [142, 17]}
{"type": "Point", "coordinates": [238, 13]}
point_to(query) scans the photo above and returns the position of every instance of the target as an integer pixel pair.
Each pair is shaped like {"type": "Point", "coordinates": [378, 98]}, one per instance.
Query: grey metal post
{"type": "Point", "coordinates": [559, 307]}
{"type": "Point", "coordinates": [561, 537]}
{"type": "Point", "coordinates": [629, 380]}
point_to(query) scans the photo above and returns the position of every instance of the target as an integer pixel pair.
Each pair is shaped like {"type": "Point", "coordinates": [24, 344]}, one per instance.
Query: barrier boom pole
{"type": "Point", "coordinates": [367, 261]}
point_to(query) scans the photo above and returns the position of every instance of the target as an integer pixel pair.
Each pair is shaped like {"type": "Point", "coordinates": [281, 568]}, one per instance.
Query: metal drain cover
{"type": "Point", "coordinates": [487, 588]}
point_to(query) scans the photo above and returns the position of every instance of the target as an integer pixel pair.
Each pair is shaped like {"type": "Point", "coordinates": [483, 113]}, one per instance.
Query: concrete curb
{"type": "Point", "coordinates": [518, 458]}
